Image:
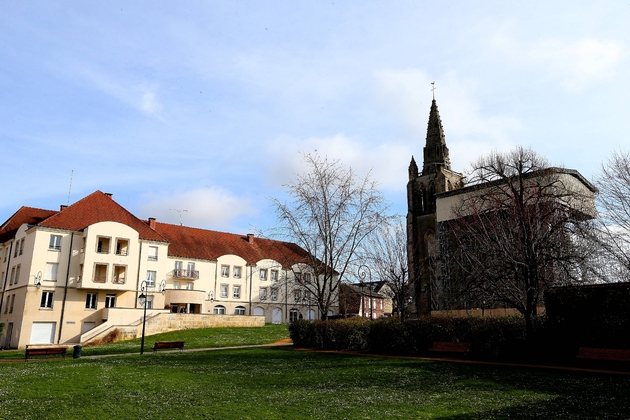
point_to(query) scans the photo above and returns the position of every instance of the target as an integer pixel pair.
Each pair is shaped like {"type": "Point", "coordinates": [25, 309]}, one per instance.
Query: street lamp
{"type": "Point", "coordinates": [364, 271]}
{"type": "Point", "coordinates": [144, 299]}
{"type": "Point", "coordinates": [38, 280]}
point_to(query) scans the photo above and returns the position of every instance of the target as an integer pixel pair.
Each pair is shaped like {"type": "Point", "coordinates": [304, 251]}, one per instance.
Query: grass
{"type": "Point", "coordinates": [194, 338]}
{"type": "Point", "coordinates": [275, 383]}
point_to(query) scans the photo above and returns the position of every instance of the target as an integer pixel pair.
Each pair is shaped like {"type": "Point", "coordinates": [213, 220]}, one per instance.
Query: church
{"type": "Point", "coordinates": [436, 191]}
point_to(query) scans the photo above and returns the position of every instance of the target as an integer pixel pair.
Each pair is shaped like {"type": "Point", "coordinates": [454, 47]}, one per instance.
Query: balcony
{"type": "Point", "coordinates": [179, 273]}
{"type": "Point", "coordinates": [100, 279]}
{"type": "Point", "coordinates": [185, 296]}
{"type": "Point", "coordinates": [118, 280]}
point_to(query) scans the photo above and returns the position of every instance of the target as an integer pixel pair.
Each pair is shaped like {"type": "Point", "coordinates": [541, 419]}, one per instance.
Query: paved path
{"type": "Point", "coordinates": [287, 343]}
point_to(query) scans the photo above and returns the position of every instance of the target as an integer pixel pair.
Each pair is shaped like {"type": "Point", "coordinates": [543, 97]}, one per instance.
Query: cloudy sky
{"type": "Point", "coordinates": [205, 106]}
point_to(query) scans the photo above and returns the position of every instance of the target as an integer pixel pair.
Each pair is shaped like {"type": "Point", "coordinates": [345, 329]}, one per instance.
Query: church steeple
{"type": "Point", "coordinates": [435, 150]}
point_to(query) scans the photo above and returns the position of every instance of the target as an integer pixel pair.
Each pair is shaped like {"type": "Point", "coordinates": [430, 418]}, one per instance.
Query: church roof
{"type": "Point", "coordinates": [435, 150]}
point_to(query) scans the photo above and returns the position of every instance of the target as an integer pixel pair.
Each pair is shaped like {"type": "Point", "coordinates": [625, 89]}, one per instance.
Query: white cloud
{"type": "Point", "coordinates": [139, 95]}
{"type": "Point", "coordinates": [211, 207]}
{"type": "Point", "coordinates": [576, 64]}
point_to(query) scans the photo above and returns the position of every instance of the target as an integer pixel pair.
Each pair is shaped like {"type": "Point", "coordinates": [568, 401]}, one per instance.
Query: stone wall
{"type": "Point", "coordinates": [172, 322]}
{"type": "Point", "coordinates": [165, 322]}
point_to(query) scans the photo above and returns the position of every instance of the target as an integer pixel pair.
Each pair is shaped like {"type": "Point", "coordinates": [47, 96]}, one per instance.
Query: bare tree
{"type": "Point", "coordinates": [386, 253]}
{"type": "Point", "coordinates": [516, 231]}
{"type": "Point", "coordinates": [330, 213]}
{"type": "Point", "coordinates": [613, 183]}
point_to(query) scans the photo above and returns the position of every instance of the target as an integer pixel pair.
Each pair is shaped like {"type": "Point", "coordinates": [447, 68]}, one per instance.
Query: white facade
{"type": "Point", "coordinates": [60, 278]}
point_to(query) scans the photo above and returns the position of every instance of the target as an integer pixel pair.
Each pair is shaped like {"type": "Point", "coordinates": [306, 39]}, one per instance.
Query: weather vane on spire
{"type": "Point", "coordinates": [433, 89]}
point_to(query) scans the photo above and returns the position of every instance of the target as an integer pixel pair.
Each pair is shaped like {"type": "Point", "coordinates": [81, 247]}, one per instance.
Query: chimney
{"type": "Point", "coordinates": [62, 207]}
{"type": "Point", "coordinates": [250, 238]}
{"type": "Point", "coordinates": [152, 222]}
{"type": "Point", "coordinates": [108, 194]}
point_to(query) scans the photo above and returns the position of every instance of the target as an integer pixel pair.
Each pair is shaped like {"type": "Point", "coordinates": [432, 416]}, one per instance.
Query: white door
{"type": "Point", "coordinates": [259, 311]}
{"type": "Point", "coordinates": [42, 333]}
{"type": "Point", "coordinates": [276, 316]}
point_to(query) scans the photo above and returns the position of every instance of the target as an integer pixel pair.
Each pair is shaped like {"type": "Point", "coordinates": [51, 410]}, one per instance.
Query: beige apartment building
{"type": "Point", "coordinates": [69, 274]}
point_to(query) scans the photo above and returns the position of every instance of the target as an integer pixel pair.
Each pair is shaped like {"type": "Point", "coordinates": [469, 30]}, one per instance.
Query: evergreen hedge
{"type": "Point", "coordinates": [501, 338]}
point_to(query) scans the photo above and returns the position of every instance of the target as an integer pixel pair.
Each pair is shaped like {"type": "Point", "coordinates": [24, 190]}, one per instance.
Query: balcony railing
{"type": "Point", "coordinates": [118, 280]}
{"type": "Point", "coordinates": [179, 273]}
{"type": "Point", "coordinates": [100, 279]}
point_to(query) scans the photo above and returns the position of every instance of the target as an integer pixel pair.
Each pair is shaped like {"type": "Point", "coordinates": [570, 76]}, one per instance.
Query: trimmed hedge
{"type": "Point", "coordinates": [490, 338]}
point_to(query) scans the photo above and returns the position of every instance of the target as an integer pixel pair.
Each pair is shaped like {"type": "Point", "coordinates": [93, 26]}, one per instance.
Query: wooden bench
{"type": "Point", "coordinates": [168, 345]}
{"type": "Point", "coordinates": [449, 347]}
{"type": "Point", "coordinates": [617, 355]}
{"type": "Point", "coordinates": [44, 351]}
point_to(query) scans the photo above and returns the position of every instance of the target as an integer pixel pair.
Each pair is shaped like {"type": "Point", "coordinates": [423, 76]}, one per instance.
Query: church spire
{"type": "Point", "coordinates": [435, 150]}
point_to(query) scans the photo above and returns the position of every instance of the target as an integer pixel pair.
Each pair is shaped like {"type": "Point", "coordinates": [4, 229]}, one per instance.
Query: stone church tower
{"type": "Point", "coordinates": [436, 177]}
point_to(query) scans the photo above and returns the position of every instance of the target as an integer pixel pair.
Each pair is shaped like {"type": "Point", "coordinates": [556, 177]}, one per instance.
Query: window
{"type": "Point", "coordinates": [120, 274]}
{"type": "Point", "coordinates": [274, 275]}
{"type": "Point", "coordinates": [298, 277]}
{"type": "Point", "coordinates": [263, 293]}
{"type": "Point", "coordinates": [21, 246]}
{"type": "Point", "coordinates": [237, 272]}
{"type": "Point", "coordinates": [12, 279]}
{"type": "Point", "coordinates": [219, 310]}
{"type": "Point", "coordinates": [17, 274]}
{"type": "Point", "coordinates": [55, 242]}
{"type": "Point", "coordinates": [102, 245]}
{"type": "Point", "coordinates": [178, 265]}
{"type": "Point", "coordinates": [110, 301]}
{"type": "Point", "coordinates": [274, 294]}
{"type": "Point", "coordinates": [224, 290]}
{"type": "Point", "coordinates": [153, 253]}
{"type": "Point", "coordinates": [191, 266]}
{"type": "Point", "coordinates": [239, 310]}
{"type": "Point", "coordinates": [15, 251]}
{"type": "Point", "coordinates": [307, 277]}
{"type": "Point", "coordinates": [90, 301]}
{"type": "Point", "coordinates": [51, 271]}
{"type": "Point", "coordinates": [151, 278]}
{"type": "Point", "coordinates": [263, 274]}
{"type": "Point", "coordinates": [177, 285]}
{"type": "Point", "coordinates": [122, 247]}
{"type": "Point", "coordinates": [225, 271]}
{"type": "Point", "coordinates": [100, 273]}
{"type": "Point", "coordinates": [307, 295]}
{"type": "Point", "coordinates": [297, 296]}
{"type": "Point", "coordinates": [236, 292]}
{"type": "Point", "coordinates": [189, 286]}
{"type": "Point", "coordinates": [149, 302]}
{"type": "Point", "coordinates": [12, 303]}
{"type": "Point", "coordinates": [47, 299]}
{"type": "Point", "coordinates": [293, 315]}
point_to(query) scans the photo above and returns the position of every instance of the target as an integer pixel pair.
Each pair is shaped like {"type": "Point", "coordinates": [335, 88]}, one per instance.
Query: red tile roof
{"type": "Point", "coordinates": [99, 207]}
{"type": "Point", "coordinates": [28, 215]}
{"type": "Point", "coordinates": [187, 242]}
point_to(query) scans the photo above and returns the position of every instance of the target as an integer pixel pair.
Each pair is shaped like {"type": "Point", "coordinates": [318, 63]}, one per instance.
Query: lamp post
{"type": "Point", "coordinates": [144, 299]}
{"type": "Point", "coordinates": [38, 280]}
{"type": "Point", "coordinates": [364, 271]}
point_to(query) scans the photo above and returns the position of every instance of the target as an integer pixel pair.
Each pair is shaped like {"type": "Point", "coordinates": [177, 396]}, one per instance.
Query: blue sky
{"type": "Point", "coordinates": [206, 106]}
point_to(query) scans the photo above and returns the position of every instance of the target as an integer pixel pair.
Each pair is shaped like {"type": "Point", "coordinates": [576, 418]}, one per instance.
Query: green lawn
{"type": "Point", "coordinates": [280, 383]}
{"type": "Point", "coordinates": [195, 339]}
